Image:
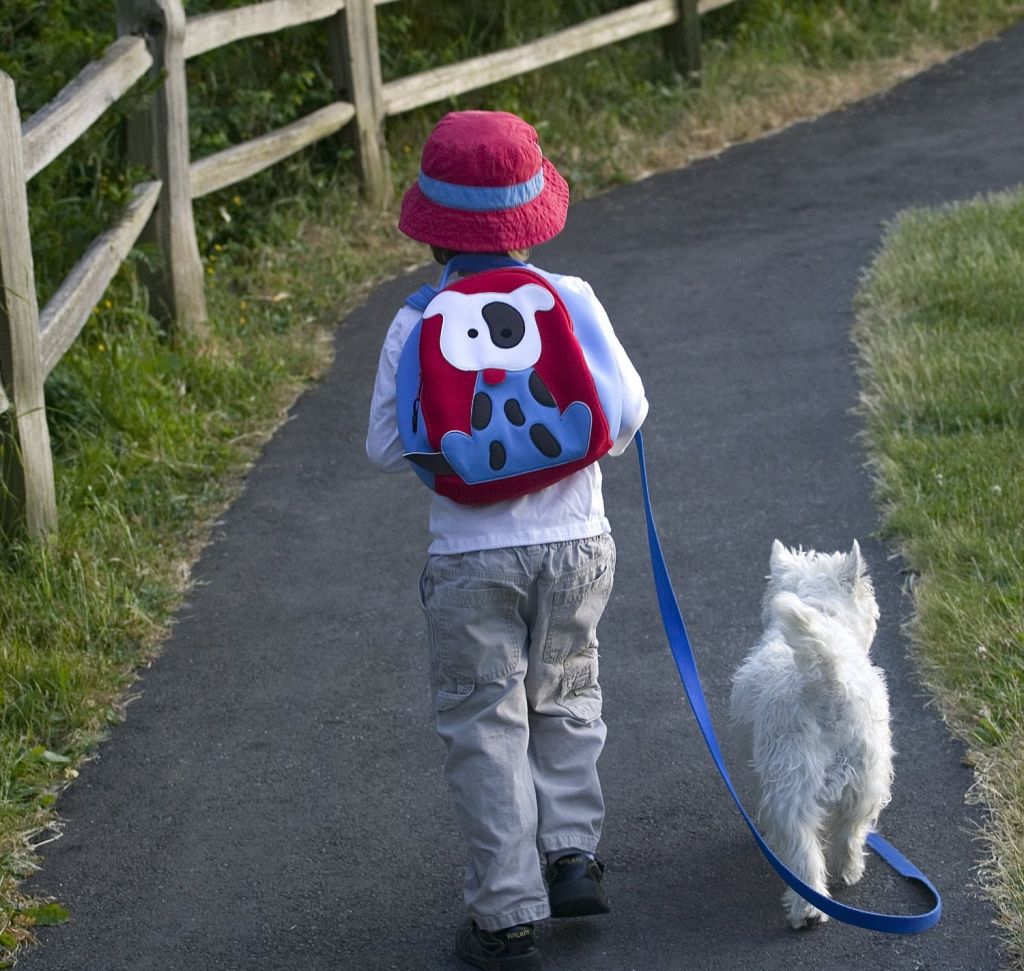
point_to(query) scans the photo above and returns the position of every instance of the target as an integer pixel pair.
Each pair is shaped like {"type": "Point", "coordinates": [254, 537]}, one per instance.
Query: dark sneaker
{"type": "Point", "coordinates": [510, 949]}
{"type": "Point", "coordinates": [574, 886]}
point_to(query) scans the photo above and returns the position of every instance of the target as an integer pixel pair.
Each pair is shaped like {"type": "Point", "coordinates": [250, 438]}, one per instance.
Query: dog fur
{"type": "Point", "coordinates": [819, 711]}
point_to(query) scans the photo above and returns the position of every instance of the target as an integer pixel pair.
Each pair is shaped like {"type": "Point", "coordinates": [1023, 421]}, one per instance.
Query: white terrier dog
{"type": "Point", "coordinates": [820, 716]}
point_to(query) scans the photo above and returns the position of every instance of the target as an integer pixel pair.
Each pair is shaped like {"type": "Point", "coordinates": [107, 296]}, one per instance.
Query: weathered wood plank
{"type": "Point", "coordinates": [241, 161]}
{"type": "Point", "coordinates": [477, 72]}
{"type": "Point", "coordinates": [355, 60]}
{"type": "Point", "coordinates": [211, 30]}
{"type": "Point", "coordinates": [207, 31]}
{"type": "Point", "coordinates": [180, 297]}
{"type": "Point", "coordinates": [705, 5]}
{"type": "Point", "coordinates": [682, 40]}
{"type": "Point", "coordinates": [27, 496]}
{"type": "Point", "coordinates": [64, 316]}
{"type": "Point", "coordinates": [82, 101]}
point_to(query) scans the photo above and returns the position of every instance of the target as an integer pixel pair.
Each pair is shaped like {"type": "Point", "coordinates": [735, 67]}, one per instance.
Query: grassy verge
{"type": "Point", "coordinates": [941, 330]}
{"type": "Point", "coordinates": [152, 438]}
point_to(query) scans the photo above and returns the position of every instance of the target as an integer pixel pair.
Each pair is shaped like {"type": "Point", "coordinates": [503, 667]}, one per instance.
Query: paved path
{"type": "Point", "coordinates": [275, 799]}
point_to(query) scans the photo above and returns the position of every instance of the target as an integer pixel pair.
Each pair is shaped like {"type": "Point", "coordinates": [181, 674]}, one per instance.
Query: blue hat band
{"type": "Point", "coordinates": [481, 198]}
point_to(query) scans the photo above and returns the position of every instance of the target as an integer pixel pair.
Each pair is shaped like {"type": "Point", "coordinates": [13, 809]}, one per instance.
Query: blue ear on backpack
{"type": "Point", "coordinates": [411, 428]}
{"type": "Point", "coordinates": [600, 358]}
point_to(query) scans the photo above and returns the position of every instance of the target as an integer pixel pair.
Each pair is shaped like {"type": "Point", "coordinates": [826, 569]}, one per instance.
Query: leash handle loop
{"type": "Point", "coordinates": [682, 652]}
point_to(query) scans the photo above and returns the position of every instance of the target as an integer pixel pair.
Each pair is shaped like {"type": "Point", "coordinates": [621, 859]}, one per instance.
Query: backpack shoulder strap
{"type": "Point", "coordinates": [419, 299]}
{"type": "Point", "coordinates": [462, 263]}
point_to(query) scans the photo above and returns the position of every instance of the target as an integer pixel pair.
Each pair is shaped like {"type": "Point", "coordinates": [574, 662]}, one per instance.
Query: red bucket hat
{"type": "Point", "coordinates": [484, 186]}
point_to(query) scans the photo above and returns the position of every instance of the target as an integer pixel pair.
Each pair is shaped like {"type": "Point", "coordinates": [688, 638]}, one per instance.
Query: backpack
{"type": "Point", "coordinates": [501, 391]}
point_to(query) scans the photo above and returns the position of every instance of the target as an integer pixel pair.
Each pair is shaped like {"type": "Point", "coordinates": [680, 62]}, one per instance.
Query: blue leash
{"type": "Point", "coordinates": [678, 641]}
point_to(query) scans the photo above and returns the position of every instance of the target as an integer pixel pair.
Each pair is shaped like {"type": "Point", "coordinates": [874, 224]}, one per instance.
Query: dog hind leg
{"type": "Point", "coordinates": [795, 838]}
{"type": "Point", "coordinates": [850, 824]}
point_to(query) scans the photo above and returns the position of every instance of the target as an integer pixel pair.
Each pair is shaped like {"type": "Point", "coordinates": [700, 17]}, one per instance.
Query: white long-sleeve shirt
{"type": "Point", "coordinates": [572, 508]}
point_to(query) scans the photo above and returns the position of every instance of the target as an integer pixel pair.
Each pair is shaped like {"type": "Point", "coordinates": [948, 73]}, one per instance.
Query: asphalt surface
{"type": "Point", "coordinates": [275, 799]}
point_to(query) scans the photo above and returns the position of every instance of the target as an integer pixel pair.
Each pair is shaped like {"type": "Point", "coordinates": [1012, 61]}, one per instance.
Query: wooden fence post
{"type": "Point", "coordinates": [682, 40]}
{"type": "Point", "coordinates": [180, 296]}
{"type": "Point", "coordinates": [27, 496]}
{"type": "Point", "coordinates": [141, 151]}
{"type": "Point", "coordinates": [355, 64]}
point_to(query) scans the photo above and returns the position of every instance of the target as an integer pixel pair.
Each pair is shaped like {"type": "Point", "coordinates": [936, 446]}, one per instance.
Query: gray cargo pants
{"type": "Point", "coordinates": [518, 705]}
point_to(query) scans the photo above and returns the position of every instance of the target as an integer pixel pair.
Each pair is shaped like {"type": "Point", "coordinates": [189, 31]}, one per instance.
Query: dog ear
{"type": "Point", "coordinates": [780, 557]}
{"type": "Point", "coordinates": [853, 567]}
{"type": "Point", "coordinates": [858, 559]}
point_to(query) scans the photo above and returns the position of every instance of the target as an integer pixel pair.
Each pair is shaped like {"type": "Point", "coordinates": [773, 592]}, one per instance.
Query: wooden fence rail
{"type": "Point", "coordinates": [157, 39]}
{"type": "Point", "coordinates": [51, 130]}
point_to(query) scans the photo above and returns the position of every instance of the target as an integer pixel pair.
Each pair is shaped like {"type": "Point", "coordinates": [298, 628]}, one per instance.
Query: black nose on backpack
{"type": "Point", "coordinates": [505, 324]}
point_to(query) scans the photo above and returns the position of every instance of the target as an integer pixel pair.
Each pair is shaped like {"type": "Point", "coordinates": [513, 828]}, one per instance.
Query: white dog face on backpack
{"type": "Point", "coordinates": [491, 330]}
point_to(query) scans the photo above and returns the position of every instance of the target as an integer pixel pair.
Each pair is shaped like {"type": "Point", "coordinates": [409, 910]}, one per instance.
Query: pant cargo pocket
{"type": "Point", "coordinates": [579, 692]}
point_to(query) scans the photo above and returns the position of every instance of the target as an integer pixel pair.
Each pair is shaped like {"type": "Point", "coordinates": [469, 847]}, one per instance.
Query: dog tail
{"type": "Point", "coordinates": [803, 630]}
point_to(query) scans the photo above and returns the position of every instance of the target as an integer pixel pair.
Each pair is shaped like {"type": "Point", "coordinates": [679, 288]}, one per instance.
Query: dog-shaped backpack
{"type": "Point", "coordinates": [501, 391]}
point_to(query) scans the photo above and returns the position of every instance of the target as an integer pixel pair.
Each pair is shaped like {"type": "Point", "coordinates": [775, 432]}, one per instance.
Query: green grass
{"type": "Point", "coordinates": [152, 436]}
{"type": "Point", "coordinates": [941, 331]}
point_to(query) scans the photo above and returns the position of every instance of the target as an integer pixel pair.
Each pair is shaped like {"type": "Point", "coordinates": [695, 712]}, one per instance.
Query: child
{"type": "Point", "coordinates": [512, 590]}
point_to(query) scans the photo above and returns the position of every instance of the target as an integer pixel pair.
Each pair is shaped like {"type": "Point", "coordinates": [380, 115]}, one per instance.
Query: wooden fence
{"type": "Point", "coordinates": [155, 37]}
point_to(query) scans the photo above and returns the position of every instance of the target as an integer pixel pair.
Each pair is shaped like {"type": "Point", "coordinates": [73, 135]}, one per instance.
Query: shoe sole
{"type": "Point", "coordinates": [518, 962]}
{"type": "Point", "coordinates": [573, 900]}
